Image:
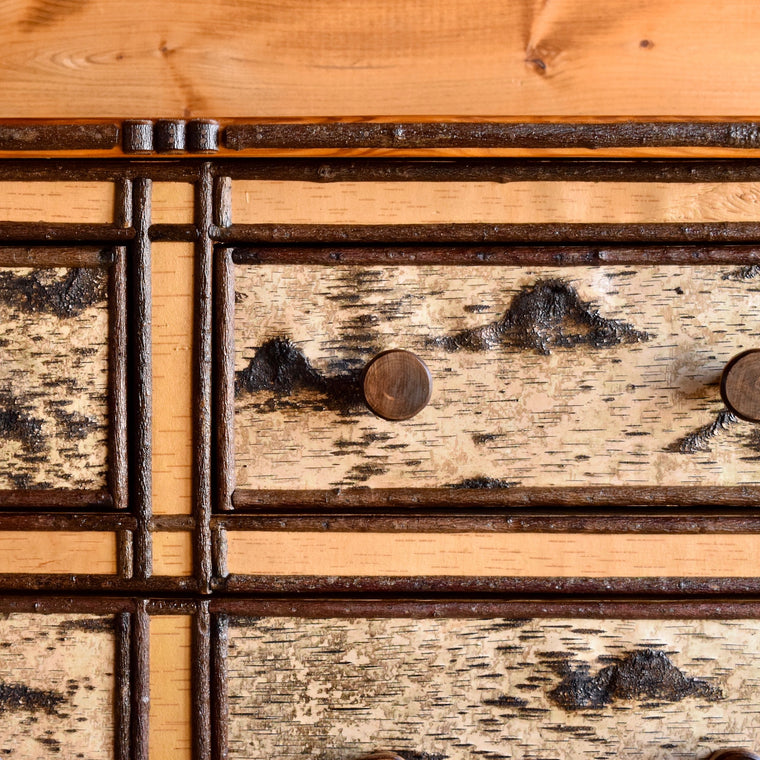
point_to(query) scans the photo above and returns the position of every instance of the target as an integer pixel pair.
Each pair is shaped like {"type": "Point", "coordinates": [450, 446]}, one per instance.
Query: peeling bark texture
{"type": "Point", "coordinates": [547, 376]}
{"type": "Point", "coordinates": [544, 689]}
{"type": "Point", "coordinates": [57, 686]}
{"type": "Point", "coordinates": [53, 378]}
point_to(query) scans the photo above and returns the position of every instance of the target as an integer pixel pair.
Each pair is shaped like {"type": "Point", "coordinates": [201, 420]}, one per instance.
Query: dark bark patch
{"type": "Point", "coordinates": [17, 696]}
{"type": "Point", "coordinates": [88, 625]}
{"type": "Point", "coordinates": [505, 701]}
{"type": "Point", "coordinates": [17, 425]}
{"type": "Point", "coordinates": [546, 315]}
{"type": "Point", "coordinates": [743, 274]}
{"type": "Point", "coordinates": [483, 482]}
{"type": "Point", "coordinates": [45, 291]}
{"type": "Point", "coordinates": [645, 674]}
{"type": "Point", "coordinates": [52, 744]}
{"type": "Point", "coordinates": [699, 440]}
{"type": "Point", "coordinates": [280, 367]}
{"type": "Point", "coordinates": [73, 425]}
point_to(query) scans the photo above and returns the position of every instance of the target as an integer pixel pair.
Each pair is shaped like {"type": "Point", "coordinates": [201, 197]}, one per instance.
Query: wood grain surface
{"type": "Point", "coordinates": [541, 377]}
{"type": "Point", "coordinates": [172, 275]}
{"type": "Point", "coordinates": [83, 202]}
{"type": "Point", "coordinates": [299, 202]}
{"type": "Point", "coordinates": [58, 552]}
{"type": "Point", "coordinates": [77, 59]}
{"type": "Point", "coordinates": [551, 688]}
{"type": "Point", "coordinates": [524, 555]}
{"type": "Point", "coordinates": [53, 378]}
{"type": "Point", "coordinates": [171, 720]}
{"type": "Point", "coordinates": [57, 686]}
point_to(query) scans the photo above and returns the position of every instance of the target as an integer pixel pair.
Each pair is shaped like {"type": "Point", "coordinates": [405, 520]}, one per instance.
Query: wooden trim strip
{"type": "Point", "coordinates": [326, 170]}
{"type": "Point", "coordinates": [141, 380]}
{"type": "Point", "coordinates": [405, 133]}
{"type": "Point", "coordinates": [123, 686]}
{"type": "Point", "coordinates": [492, 255]}
{"type": "Point", "coordinates": [41, 136]}
{"type": "Point", "coordinates": [570, 497]}
{"type": "Point", "coordinates": [68, 583]}
{"type": "Point", "coordinates": [656, 609]}
{"type": "Point", "coordinates": [98, 605]}
{"type": "Point", "coordinates": [173, 233]}
{"type": "Point", "coordinates": [63, 232]}
{"type": "Point", "coordinates": [202, 682]}
{"type": "Point", "coordinates": [140, 708]}
{"type": "Point", "coordinates": [219, 695]}
{"type": "Point", "coordinates": [113, 169]}
{"type": "Point", "coordinates": [125, 550]}
{"type": "Point", "coordinates": [533, 521]}
{"type": "Point", "coordinates": [458, 586]}
{"type": "Point", "coordinates": [84, 256]}
{"type": "Point", "coordinates": [224, 353]}
{"type": "Point", "coordinates": [453, 234]}
{"type": "Point", "coordinates": [202, 425]}
{"type": "Point", "coordinates": [117, 373]}
{"type": "Point", "coordinates": [55, 498]}
{"type": "Point", "coordinates": [64, 521]}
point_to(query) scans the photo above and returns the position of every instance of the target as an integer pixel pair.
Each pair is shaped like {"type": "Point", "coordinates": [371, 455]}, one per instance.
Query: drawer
{"type": "Point", "coordinates": [558, 376]}
{"type": "Point", "coordinates": [457, 680]}
{"type": "Point", "coordinates": [62, 378]}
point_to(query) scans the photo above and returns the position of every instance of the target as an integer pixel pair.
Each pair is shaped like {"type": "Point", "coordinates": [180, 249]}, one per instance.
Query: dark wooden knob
{"type": "Point", "coordinates": [397, 385]}
{"type": "Point", "coordinates": [740, 385]}
{"type": "Point", "coordinates": [734, 753]}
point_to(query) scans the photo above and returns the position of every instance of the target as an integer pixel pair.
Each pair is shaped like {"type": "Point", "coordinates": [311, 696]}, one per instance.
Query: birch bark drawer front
{"type": "Point", "coordinates": [558, 376]}
{"type": "Point", "coordinates": [342, 680]}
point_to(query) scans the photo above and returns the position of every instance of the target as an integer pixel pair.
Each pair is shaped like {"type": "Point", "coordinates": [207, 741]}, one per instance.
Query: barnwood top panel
{"type": "Point", "coordinates": [73, 59]}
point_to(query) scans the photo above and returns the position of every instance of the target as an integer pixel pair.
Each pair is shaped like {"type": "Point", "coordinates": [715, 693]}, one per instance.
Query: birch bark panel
{"type": "Point", "coordinates": [543, 689]}
{"type": "Point", "coordinates": [296, 202]}
{"type": "Point", "coordinates": [631, 399]}
{"type": "Point", "coordinates": [101, 59]}
{"type": "Point", "coordinates": [172, 553]}
{"type": "Point", "coordinates": [521, 555]}
{"type": "Point", "coordinates": [53, 378]}
{"type": "Point", "coordinates": [57, 686]}
{"type": "Point", "coordinates": [80, 202]}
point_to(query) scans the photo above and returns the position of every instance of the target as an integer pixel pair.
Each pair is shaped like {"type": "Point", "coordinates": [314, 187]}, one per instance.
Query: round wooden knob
{"type": "Point", "coordinates": [397, 385]}
{"type": "Point", "coordinates": [740, 385]}
{"type": "Point", "coordinates": [734, 753]}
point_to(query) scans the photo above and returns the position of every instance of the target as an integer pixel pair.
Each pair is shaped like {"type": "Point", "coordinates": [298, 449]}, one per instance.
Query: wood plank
{"type": "Point", "coordinates": [551, 688]}
{"type": "Point", "coordinates": [59, 552]}
{"type": "Point", "coordinates": [173, 553]}
{"type": "Point", "coordinates": [541, 376]}
{"type": "Point", "coordinates": [172, 278]}
{"type": "Point", "coordinates": [523, 555]}
{"type": "Point", "coordinates": [299, 202]}
{"type": "Point", "coordinates": [104, 59]}
{"type": "Point", "coordinates": [82, 202]}
{"type": "Point", "coordinates": [173, 203]}
{"type": "Point", "coordinates": [57, 686]}
{"type": "Point", "coordinates": [53, 378]}
{"type": "Point", "coordinates": [170, 687]}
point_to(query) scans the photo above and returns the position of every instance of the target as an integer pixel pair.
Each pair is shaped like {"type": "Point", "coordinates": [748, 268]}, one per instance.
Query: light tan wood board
{"type": "Point", "coordinates": [57, 678]}
{"type": "Point", "coordinates": [342, 57]}
{"type": "Point", "coordinates": [172, 279]}
{"type": "Point", "coordinates": [296, 202]}
{"type": "Point", "coordinates": [541, 377]}
{"type": "Point", "coordinates": [172, 553]}
{"type": "Point", "coordinates": [58, 552]}
{"type": "Point", "coordinates": [53, 378]}
{"type": "Point", "coordinates": [82, 202]}
{"type": "Point", "coordinates": [494, 688]}
{"type": "Point", "coordinates": [170, 687]}
{"type": "Point", "coordinates": [522, 555]}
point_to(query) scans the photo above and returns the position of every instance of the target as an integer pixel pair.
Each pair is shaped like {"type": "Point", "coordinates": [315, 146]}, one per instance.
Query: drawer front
{"type": "Point", "coordinates": [542, 377]}
{"type": "Point", "coordinates": [559, 687]}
